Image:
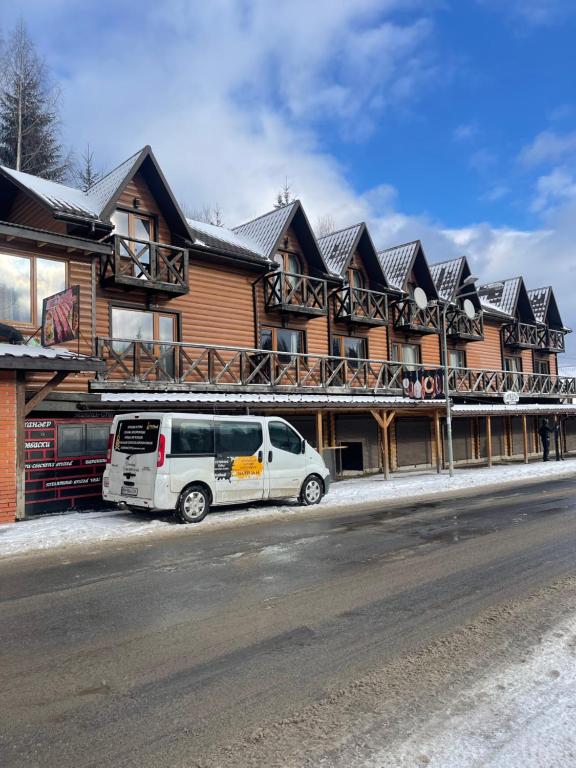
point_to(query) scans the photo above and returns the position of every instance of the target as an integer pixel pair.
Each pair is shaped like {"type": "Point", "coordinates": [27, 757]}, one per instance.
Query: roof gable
{"type": "Point", "coordinates": [509, 297]}
{"type": "Point", "coordinates": [225, 240]}
{"type": "Point", "coordinates": [545, 307]}
{"type": "Point", "coordinates": [400, 261]}
{"type": "Point", "coordinates": [338, 249]}
{"type": "Point", "coordinates": [450, 275]}
{"type": "Point", "coordinates": [268, 230]}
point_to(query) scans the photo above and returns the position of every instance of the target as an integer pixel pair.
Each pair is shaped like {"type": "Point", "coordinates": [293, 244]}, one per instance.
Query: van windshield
{"type": "Point", "coordinates": [137, 436]}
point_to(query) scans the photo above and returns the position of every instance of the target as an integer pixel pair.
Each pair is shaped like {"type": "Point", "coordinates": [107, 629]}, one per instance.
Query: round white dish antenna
{"type": "Point", "coordinates": [420, 298]}
{"type": "Point", "coordinates": [469, 309]}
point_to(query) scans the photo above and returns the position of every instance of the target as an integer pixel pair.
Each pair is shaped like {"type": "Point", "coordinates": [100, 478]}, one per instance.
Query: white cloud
{"type": "Point", "coordinates": [547, 147]}
{"type": "Point", "coordinates": [465, 132]}
{"type": "Point", "coordinates": [555, 187]}
{"type": "Point", "coordinates": [532, 13]}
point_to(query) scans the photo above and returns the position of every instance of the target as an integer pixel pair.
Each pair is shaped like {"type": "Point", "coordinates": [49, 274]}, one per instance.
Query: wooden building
{"type": "Point", "coordinates": [180, 314]}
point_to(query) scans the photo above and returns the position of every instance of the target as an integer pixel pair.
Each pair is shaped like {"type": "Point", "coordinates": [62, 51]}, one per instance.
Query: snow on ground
{"type": "Point", "coordinates": [523, 716]}
{"type": "Point", "coordinates": [93, 527]}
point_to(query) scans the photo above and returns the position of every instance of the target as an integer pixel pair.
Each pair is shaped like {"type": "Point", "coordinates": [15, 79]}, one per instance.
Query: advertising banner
{"type": "Point", "coordinates": [423, 384]}
{"type": "Point", "coordinates": [61, 317]}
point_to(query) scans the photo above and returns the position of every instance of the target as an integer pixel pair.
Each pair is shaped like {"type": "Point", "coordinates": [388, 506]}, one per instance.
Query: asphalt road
{"type": "Point", "coordinates": [170, 653]}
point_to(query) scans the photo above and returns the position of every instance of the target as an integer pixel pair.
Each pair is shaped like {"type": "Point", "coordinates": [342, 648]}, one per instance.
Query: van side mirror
{"type": "Point", "coordinates": [303, 447]}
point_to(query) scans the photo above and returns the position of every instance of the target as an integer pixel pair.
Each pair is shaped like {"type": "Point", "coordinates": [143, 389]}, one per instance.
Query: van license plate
{"type": "Point", "coordinates": [127, 491]}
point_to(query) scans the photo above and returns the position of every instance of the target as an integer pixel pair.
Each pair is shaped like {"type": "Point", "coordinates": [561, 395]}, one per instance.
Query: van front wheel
{"type": "Point", "coordinates": [312, 490]}
{"type": "Point", "coordinates": [193, 504]}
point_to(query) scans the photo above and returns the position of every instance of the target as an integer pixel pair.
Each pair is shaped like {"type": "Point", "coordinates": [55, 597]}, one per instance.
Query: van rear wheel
{"type": "Point", "coordinates": [312, 490]}
{"type": "Point", "coordinates": [193, 504]}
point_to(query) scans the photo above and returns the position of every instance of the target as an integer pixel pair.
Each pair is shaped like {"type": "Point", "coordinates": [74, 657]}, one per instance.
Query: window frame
{"type": "Point", "coordinates": [352, 271]}
{"type": "Point", "coordinates": [400, 359]}
{"type": "Point", "coordinates": [285, 256]}
{"type": "Point", "coordinates": [133, 213]}
{"type": "Point", "coordinates": [273, 329]}
{"type": "Point", "coordinates": [84, 427]}
{"type": "Point", "coordinates": [35, 321]}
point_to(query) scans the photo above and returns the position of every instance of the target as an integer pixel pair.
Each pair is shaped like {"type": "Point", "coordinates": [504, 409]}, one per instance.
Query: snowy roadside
{"type": "Point", "coordinates": [521, 717]}
{"type": "Point", "coordinates": [94, 527]}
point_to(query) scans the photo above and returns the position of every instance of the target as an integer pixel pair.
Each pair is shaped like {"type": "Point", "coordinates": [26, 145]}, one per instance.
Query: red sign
{"type": "Point", "coordinates": [61, 317]}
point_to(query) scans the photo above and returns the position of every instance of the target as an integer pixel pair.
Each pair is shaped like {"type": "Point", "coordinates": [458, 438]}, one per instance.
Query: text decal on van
{"type": "Point", "coordinates": [137, 436]}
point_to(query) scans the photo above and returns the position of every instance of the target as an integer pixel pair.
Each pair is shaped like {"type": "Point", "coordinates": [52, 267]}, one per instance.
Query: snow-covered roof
{"type": "Point", "coordinates": [59, 197]}
{"type": "Point", "coordinates": [397, 262]}
{"type": "Point", "coordinates": [220, 238]}
{"type": "Point", "coordinates": [446, 275]}
{"type": "Point", "coordinates": [539, 299]}
{"type": "Point", "coordinates": [266, 230]}
{"type": "Point", "coordinates": [16, 356]}
{"type": "Point", "coordinates": [106, 188]}
{"type": "Point", "coordinates": [263, 399]}
{"type": "Point", "coordinates": [501, 295]}
{"type": "Point", "coordinates": [337, 248]}
{"type": "Point", "coordinates": [34, 351]}
{"type": "Point", "coordinates": [501, 409]}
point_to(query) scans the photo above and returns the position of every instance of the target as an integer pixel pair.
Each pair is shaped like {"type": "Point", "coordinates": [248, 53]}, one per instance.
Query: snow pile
{"type": "Point", "coordinates": [521, 717]}
{"type": "Point", "coordinates": [93, 527]}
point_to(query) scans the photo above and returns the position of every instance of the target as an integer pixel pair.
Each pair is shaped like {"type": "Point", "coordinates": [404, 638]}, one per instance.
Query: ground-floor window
{"type": "Point", "coordinates": [82, 439]}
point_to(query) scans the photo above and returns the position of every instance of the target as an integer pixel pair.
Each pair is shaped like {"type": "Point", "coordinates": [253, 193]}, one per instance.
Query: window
{"type": "Point", "coordinates": [136, 325]}
{"type": "Point", "coordinates": [283, 437]}
{"type": "Point", "coordinates": [350, 347]}
{"type": "Point", "coordinates": [135, 227]}
{"type": "Point", "coordinates": [407, 354]}
{"type": "Point", "coordinates": [456, 358]}
{"type": "Point", "coordinates": [542, 366]}
{"type": "Point", "coordinates": [82, 439]}
{"type": "Point", "coordinates": [513, 364]}
{"type": "Point", "coordinates": [356, 278]}
{"type": "Point", "coordinates": [289, 262]}
{"type": "Point", "coordinates": [282, 340]}
{"type": "Point", "coordinates": [192, 438]}
{"type": "Point", "coordinates": [25, 281]}
{"type": "Point", "coordinates": [235, 438]}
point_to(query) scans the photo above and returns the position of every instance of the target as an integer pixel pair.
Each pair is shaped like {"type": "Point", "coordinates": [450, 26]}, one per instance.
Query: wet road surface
{"type": "Point", "coordinates": [161, 653]}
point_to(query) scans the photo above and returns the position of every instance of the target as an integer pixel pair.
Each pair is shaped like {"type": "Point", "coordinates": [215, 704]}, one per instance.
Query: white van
{"type": "Point", "coordinates": [188, 462]}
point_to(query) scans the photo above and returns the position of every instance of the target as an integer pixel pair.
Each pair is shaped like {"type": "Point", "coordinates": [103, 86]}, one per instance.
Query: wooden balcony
{"type": "Point", "coordinates": [295, 294]}
{"type": "Point", "coordinates": [551, 340]}
{"type": "Point", "coordinates": [520, 336]}
{"type": "Point", "coordinates": [361, 306]}
{"type": "Point", "coordinates": [147, 265]}
{"type": "Point", "coordinates": [408, 317]}
{"type": "Point", "coordinates": [172, 367]}
{"type": "Point", "coordinates": [460, 326]}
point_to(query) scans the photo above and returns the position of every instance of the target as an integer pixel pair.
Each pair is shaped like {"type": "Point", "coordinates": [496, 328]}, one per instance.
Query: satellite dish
{"type": "Point", "coordinates": [420, 298]}
{"type": "Point", "coordinates": [469, 309]}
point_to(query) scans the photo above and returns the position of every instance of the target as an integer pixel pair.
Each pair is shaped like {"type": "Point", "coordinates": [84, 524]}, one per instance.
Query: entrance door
{"type": "Point", "coordinates": [239, 462]}
{"type": "Point", "coordinates": [413, 442]}
{"type": "Point", "coordinates": [286, 462]}
{"type": "Point", "coordinates": [353, 457]}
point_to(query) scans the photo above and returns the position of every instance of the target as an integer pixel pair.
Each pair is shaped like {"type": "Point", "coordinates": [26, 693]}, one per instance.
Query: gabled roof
{"type": "Point", "coordinates": [508, 297]}
{"type": "Point", "coordinates": [339, 247]}
{"type": "Point", "coordinates": [225, 240]}
{"type": "Point", "coordinates": [268, 230]}
{"type": "Point", "coordinates": [545, 307]}
{"type": "Point", "coordinates": [98, 203]}
{"type": "Point", "coordinates": [449, 277]}
{"type": "Point", "coordinates": [398, 262]}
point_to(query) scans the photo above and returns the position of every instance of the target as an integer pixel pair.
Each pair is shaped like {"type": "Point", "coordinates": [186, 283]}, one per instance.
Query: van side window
{"type": "Point", "coordinates": [281, 436]}
{"type": "Point", "coordinates": [192, 438]}
{"type": "Point", "coordinates": [238, 438]}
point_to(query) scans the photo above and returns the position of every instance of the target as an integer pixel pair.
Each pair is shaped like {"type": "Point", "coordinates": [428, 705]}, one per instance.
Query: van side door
{"type": "Point", "coordinates": [239, 462]}
{"type": "Point", "coordinates": [286, 462]}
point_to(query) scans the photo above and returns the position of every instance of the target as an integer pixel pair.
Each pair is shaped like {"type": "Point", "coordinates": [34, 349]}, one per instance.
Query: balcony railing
{"type": "Point", "coordinates": [290, 292]}
{"type": "Point", "coordinates": [361, 306]}
{"type": "Point", "coordinates": [146, 264]}
{"type": "Point", "coordinates": [460, 326]}
{"type": "Point", "coordinates": [551, 340]}
{"type": "Point", "coordinates": [409, 317]}
{"type": "Point", "coordinates": [520, 335]}
{"type": "Point", "coordinates": [172, 366]}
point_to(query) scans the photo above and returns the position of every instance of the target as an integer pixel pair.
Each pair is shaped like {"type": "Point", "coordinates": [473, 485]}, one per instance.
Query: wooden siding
{"type": "Point", "coordinates": [30, 213]}
{"type": "Point", "coordinates": [487, 353]}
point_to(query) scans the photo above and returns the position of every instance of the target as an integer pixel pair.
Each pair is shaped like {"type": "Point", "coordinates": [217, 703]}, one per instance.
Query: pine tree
{"type": "Point", "coordinates": [285, 196]}
{"type": "Point", "coordinates": [86, 173]}
{"type": "Point", "coordinates": [29, 119]}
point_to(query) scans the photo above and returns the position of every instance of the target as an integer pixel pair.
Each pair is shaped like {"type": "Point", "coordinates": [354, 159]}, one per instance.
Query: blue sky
{"type": "Point", "coordinates": [449, 120]}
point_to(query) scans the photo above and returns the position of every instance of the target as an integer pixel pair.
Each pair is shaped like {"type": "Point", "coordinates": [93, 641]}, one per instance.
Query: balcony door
{"type": "Point", "coordinates": [149, 337]}
{"type": "Point", "coordinates": [137, 231]}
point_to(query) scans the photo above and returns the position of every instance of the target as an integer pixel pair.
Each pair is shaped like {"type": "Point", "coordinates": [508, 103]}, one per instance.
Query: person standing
{"type": "Point", "coordinates": [544, 433]}
{"type": "Point", "coordinates": [558, 439]}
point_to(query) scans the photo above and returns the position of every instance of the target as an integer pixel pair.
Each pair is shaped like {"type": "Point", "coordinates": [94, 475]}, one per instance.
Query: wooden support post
{"type": "Point", "coordinates": [385, 446]}
{"type": "Point", "coordinates": [319, 435]}
{"type": "Point", "coordinates": [489, 439]}
{"type": "Point", "coordinates": [46, 389]}
{"type": "Point", "coordinates": [525, 438]}
{"type": "Point", "coordinates": [438, 441]}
